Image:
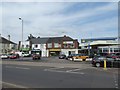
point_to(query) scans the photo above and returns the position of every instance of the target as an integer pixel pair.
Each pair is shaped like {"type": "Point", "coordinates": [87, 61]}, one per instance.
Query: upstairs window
{"type": "Point", "coordinates": [49, 45]}
{"type": "Point", "coordinates": [56, 45]}
{"type": "Point", "coordinates": [105, 50]}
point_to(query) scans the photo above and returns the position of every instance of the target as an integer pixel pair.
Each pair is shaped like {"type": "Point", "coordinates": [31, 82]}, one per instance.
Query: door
{"type": "Point", "coordinates": [69, 52]}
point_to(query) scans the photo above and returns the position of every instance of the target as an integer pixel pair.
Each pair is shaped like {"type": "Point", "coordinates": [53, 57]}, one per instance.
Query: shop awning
{"type": "Point", "coordinates": [54, 49]}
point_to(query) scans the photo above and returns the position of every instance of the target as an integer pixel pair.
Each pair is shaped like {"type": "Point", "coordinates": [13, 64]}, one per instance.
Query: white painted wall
{"type": "Point", "coordinates": [66, 51]}
{"type": "Point", "coordinates": [42, 47]}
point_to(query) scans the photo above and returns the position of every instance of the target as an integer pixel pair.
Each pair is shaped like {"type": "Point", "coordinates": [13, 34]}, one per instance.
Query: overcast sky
{"type": "Point", "coordinates": [75, 19]}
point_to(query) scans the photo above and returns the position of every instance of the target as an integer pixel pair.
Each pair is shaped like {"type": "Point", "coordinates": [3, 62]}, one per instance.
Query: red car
{"type": "Point", "coordinates": [13, 56]}
{"type": "Point", "coordinates": [36, 56]}
{"type": "Point", "coordinates": [114, 56]}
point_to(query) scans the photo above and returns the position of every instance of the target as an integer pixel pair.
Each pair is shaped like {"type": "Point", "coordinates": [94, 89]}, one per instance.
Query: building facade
{"type": "Point", "coordinates": [40, 43]}
{"type": "Point", "coordinates": [6, 46]}
{"type": "Point", "coordinates": [62, 45]}
{"type": "Point", "coordinates": [99, 45]}
{"type": "Point", "coordinates": [53, 46]}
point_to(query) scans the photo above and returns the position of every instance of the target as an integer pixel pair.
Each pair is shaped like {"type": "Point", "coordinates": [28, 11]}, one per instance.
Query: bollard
{"type": "Point", "coordinates": [105, 65]}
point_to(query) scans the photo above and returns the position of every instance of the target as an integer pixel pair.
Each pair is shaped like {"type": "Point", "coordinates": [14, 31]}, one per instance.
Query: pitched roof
{"type": "Point", "coordinates": [50, 40]}
{"type": "Point", "coordinates": [59, 39]}
{"type": "Point", "coordinates": [39, 40]}
{"type": "Point", "coordinates": [5, 41]}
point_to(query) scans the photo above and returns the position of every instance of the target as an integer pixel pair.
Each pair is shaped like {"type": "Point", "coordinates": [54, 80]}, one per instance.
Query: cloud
{"type": "Point", "coordinates": [60, 1]}
{"type": "Point", "coordinates": [51, 19]}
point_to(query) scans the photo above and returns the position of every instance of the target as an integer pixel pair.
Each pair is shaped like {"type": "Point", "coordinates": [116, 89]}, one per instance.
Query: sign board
{"type": "Point", "coordinates": [68, 42]}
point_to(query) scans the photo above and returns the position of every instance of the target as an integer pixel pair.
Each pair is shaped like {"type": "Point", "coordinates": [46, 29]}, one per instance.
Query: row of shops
{"type": "Point", "coordinates": [54, 46]}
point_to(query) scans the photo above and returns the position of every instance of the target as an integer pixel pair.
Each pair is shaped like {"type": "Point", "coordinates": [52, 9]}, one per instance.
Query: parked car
{"type": "Point", "coordinates": [114, 56]}
{"type": "Point", "coordinates": [69, 57]}
{"type": "Point", "coordinates": [4, 56]}
{"type": "Point", "coordinates": [81, 57]}
{"type": "Point", "coordinates": [26, 55]}
{"type": "Point", "coordinates": [98, 61]}
{"type": "Point", "coordinates": [62, 56]}
{"type": "Point", "coordinates": [13, 56]}
{"type": "Point", "coordinates": [36, 56]}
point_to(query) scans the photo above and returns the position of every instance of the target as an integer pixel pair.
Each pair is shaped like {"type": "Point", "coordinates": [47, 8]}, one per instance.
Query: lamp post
{"type": "Point", "coordinates": [22, 32]}
{"type": "Point", "coordinates": [89, 48]}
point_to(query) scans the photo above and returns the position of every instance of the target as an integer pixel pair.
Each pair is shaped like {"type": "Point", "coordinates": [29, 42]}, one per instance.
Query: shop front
{"type": "Point", "coordinates": [54, 52]}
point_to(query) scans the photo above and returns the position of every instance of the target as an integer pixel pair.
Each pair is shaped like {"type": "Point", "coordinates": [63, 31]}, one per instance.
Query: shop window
{"type": "Point", "coordinates": [100, 50]}
{"type": "Point", "coordinates": [111, 50]}
{"type": "Point", "coordinates": [105, 50]}
{"type": "Point", "coordinates": [116, 50]}
{"type": "Point", "coordinates": [56, 45]}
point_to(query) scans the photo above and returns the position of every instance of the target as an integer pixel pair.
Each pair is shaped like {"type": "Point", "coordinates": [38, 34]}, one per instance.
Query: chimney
{"type": "Point", "coordinates": [9, 37]}
{"type": "Point", "coordinates": [65, 36]}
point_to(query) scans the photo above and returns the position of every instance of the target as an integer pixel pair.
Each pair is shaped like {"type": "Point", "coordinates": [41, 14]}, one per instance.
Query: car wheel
{"type": "Point", "coordinates": [97, 64]}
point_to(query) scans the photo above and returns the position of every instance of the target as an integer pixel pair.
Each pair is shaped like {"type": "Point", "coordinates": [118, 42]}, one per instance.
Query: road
{"type": "Point", "coordinates": [25, 74]}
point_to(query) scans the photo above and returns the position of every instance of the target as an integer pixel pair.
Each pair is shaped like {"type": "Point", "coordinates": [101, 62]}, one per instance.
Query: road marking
{"type": "Point", "coordinates": [73, 70]}
{"type": "Point", "coordinates": [54, 68]}
{"type": "Point", "coordinates": [50, 70]}
{"type": "Point", "coordinates": [11, 85]}
{"type": "Point", "coordinates": [17, 67]}
{"type": "Point", "coordinates": [22, 68]}
{"type": "Point", "coordinates": [9, 66]}
{"type": "Point", "coordinates": [115, 80]}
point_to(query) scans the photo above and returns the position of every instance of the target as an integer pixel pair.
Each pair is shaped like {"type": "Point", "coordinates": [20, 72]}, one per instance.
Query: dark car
{"type": "Point", "coordinates": [62, 56]}
{"type": "Point", "coordinates": [70, 56]}
{"type": "Point", "coordinates": [36, 56]}
{"type": "Point", "coordinates": [98, 61]}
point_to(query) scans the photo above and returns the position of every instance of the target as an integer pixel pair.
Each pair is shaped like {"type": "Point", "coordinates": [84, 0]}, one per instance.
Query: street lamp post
{"type": "Point", "coordinates": [22, 32]}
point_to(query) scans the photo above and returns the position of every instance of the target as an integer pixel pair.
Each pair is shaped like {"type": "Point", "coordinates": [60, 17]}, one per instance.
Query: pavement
{"type": "Point", "coordinates": [56, 73]}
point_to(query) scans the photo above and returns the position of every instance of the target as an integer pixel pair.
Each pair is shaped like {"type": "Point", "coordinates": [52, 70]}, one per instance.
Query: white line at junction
{"type": "Point", "coordinates": [74, 70]}
{"type": "Point", "coordinates": [50, 70]}
{"type": "Point", "coordinates": [18, 67]}
{"type": "Point", "coordinates": [11, 85]}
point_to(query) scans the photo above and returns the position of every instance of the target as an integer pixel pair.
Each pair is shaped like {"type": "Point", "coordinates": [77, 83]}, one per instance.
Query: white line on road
{"type": "Point", "coordinates": [55, 68]}
{"type": "Point", "coordinates": [11, 85]}
{"type": "Point", "coordinates": [115, 80]}
{"type": "Point", "coordinates": [73, 70]}
{"type": "Point", "coordinates": [17, 67]}
{"type": "Point", "coordinates": [50, 70]}
{"type": "Point", "coordinates": [22, 68]}
{"type": "Point", "coordinates": [9, 66]}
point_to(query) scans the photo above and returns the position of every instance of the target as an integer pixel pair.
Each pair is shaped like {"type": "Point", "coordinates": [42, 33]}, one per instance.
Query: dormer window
{"type": "Point", "coordinates": [36, 46]}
